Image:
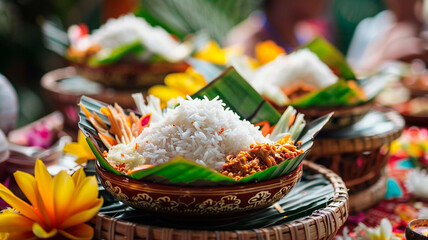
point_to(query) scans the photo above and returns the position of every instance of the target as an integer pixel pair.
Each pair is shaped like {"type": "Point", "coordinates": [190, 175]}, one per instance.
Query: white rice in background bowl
{"type": "Point", "coordinates": [202, 131]}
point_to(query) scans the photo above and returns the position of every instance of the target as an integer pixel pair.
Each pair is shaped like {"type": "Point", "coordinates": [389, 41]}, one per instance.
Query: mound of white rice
{"type": "Point", "coordinates": [301, 66]}
{"type": "Point", "coordinates": [129, 28]}
{"type": "Point", "coordinates": [199, 130]}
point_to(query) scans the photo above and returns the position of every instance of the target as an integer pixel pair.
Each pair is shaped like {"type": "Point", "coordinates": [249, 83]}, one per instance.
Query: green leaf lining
{"type": "Point", "coordinates": [240, 97]}
{"type": "Point", "coordinates": [338, 94]}
{"type": "Point", "coordinates": [332, 57]}
{"type": "Point", "coordinates": [107, 56]}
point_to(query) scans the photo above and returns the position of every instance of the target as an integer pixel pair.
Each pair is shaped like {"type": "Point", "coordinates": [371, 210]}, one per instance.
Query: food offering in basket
{"type": "Point", "coordinates": [201, 156]}
{"type": "Point", "coordinates": [415, 78]}
{"type": "Point", "coordinates": [407, 94]}
{"type": "Point", "coordinates": [315, 79]}
{"type": "Point", "coordinates": [127, 52]}
{"type": "Point", "coordinates": [207, 63]}
{"type": "Point", "coordinates": [414, 111]}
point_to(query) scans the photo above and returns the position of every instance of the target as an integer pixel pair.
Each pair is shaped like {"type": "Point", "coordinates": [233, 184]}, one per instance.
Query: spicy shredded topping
{"type": "Point", "coordinates": [260, 157]}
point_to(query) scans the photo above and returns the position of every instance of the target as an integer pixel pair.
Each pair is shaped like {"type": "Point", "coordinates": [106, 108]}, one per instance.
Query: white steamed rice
{"type": "Point", "coordinates": [198, 130]}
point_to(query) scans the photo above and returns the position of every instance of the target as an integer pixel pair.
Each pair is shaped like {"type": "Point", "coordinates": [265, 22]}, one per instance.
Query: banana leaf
{"type": "Point", "coordinates": [54, 36]}
{"type": "Point", "coordinates": [338, 94]}
{"type": "Point", "coordinates": [106, 56]}
{"type": "Point", "coordinates": [332, 57]}
{"type": "Point", "coordinates": [240, 97]}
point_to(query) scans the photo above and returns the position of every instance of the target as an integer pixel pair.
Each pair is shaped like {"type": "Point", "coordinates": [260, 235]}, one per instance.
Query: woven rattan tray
{"type": "Point", "coordinates": [319, 224]}
{"type": "Point", "coordinates": [373, 131]}
{"type": "Point", "coordinates": [369, 197]}
{"type": "Point", "coordinates": [359, 153]}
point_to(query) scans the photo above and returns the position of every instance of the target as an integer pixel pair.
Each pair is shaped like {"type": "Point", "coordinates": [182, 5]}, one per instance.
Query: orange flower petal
{"type": "Point", "coordinates": [85, 195]}
{"type": "Point", "coordinates": [27, 184]}
{"type": "Point", "coordinates": [267, 51]}
{"type": "Point", "coordinates": [41, 233]}
{"type": "Point", "coordinates": [63, 189]}
{"type": "Point", "coordinates": [82, 231]}
{"type": "Point", "coordinates": [83, 216]}
{"type": "Point", "coordinates": [4, 188]}
{"type": "Point", "coordinates": [20, 205]}
{"type": "Point", "coordinates": [14, 222]}
{"type": "Point", "coordinates": [45, 187]}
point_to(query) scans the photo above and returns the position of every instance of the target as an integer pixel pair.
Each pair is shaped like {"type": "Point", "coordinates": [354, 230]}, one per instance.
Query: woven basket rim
{"type": "Point", "coordinates": [49, 83]}
{"type": "Point", "coordinates": [369, 197]}
{"type": "Point", "coordinates": [328, 146]}
{"type": "Point", "coordinates": [322, 224]}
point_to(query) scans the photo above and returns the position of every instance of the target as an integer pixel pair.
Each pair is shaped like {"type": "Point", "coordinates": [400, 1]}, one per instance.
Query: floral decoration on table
{"type": "Point", "coordinates": [384, 231]}
{"type": "Point", "coordinates": [417, 183]}
{"type": "Point", "coordinates": [58, 205]}
{"type": "Point", "coordinates": [42, 133]}
{"type": "Point", "coordinates": [413, 144]}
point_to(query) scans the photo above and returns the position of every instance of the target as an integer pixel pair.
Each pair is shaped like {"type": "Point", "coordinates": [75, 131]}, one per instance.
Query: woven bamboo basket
{"type": "Point", "coordinates": [360, 152]}
{"type": "Point", "coordinates": [371, 196]}
{"type": "Point", "coordinates": [321, 224]}
{"type": "Point", "coordinates": [343, 116]}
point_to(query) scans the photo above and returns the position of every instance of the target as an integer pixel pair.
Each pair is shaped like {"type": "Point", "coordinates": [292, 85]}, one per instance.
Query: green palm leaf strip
{"type": "Point", "coordinates": [338, 94]}
{"type": "Point", "coordinates": [107, 55]}
{"type": "Point", "coordinates": [332, 57]}
{"type": "Point", "coordinates": [189, 172]}
{"type": "Point", "coordinates": [240, 97]}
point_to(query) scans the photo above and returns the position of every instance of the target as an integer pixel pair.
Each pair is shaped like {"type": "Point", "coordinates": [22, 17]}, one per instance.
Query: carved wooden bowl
{"type": "Point", "coordinates": [197, 201]}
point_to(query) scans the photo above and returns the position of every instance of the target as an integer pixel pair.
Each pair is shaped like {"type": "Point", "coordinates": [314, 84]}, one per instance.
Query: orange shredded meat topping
{"type": "Point", "coordinates": [260, 157]}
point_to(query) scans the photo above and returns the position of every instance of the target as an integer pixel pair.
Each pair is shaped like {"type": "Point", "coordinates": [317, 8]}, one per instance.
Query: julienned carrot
{"type": "Point", "coordinates": [266, 129]}
{"type": "Point", "coordinates": [104, 111]}
{"type": "Point", "coordinates": [292, 118]}
{"type": "Point", "coordinates": [86, 111]}
{"type": "Point", "coordinates": [107, 140]}
{"type": "Point", "coordinates": [138, 168]}
{"type": "Point", "coordinates": [99, 120]}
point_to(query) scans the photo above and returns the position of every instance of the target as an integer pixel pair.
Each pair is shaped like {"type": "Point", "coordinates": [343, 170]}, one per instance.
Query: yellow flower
{"type": "Point", "coordinates": [267, 51]}
{"type": "Point", "coordinates": [58, 205]}
{"type": "Point", "coordinates": [213, 53]}
{"type": "Point", "coordinates": [80, 149]}
{"type": "Point", "coordinates": [414, 150]}
{"type": "Point", "coordinates": [178, 85]}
